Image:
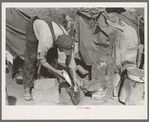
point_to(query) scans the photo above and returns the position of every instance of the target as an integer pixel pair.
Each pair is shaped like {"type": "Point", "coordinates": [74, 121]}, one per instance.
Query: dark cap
{"type": "Point", "coordinates": [64, 43]}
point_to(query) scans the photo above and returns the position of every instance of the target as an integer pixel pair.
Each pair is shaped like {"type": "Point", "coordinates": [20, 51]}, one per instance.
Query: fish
{"type": "Point", "coordinates": [66, 76]}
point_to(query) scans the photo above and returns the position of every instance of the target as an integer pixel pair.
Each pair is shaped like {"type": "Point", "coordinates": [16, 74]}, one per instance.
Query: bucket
{"type": "Point", "coordinates": [18, 78]}
{"type": "Point", "coordinates": [132, 89]}
{"type": "Point", "coordinates": [99, 96]}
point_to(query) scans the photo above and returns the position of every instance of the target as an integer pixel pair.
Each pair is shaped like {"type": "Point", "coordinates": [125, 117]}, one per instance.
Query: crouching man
{"type": "Point", "coordinates": [42, 35]}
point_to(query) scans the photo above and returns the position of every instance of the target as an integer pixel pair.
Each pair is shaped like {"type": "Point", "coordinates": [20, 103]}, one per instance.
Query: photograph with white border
{"type": "Point", "coordinates": [81, 60]}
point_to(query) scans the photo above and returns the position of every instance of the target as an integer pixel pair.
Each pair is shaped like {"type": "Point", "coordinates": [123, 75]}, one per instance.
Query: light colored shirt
{"type": "Point", "coordinates": [45, 39]}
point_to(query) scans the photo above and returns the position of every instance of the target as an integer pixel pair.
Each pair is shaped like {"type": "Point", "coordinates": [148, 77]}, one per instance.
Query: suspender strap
{"type": "Point", "coordinates": [60, 27]}
{"type": "Point", "coordinates": [49, 22]}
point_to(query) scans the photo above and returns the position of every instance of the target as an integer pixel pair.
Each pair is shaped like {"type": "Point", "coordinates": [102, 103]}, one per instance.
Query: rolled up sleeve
{"type": "Point", "coordinates": [42, 52]}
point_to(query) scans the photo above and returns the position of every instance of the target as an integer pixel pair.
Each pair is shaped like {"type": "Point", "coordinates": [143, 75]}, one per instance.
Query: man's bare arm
{"type": "Point", "coordinates": [48, 66]}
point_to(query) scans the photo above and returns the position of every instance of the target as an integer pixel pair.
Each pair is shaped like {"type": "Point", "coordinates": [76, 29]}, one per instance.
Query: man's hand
{"type": "Point", "coordinates": [76, 81]}
{"type": "Point", "coordinates": [60, 72]}
{"type": "Point", "coordinates": [48, 66]}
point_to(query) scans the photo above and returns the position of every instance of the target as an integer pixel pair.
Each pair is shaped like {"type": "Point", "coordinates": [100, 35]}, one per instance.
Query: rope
{"type": "Point", "coordinates": [21, 14]}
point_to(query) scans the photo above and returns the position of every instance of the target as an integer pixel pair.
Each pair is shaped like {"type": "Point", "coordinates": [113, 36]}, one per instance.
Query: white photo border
{"type": "Point", "coordinates": [71, 112]}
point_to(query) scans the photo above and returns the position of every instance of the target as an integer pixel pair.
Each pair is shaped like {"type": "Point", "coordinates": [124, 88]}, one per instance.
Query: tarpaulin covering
{"type": "Point", "coordinates": [101, 35]}
{"type": "Point", "coordinates": [16, 26]}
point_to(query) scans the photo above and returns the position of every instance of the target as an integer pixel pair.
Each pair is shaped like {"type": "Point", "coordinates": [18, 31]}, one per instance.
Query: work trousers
{"type": "Point", "coordinates": [30, 61]}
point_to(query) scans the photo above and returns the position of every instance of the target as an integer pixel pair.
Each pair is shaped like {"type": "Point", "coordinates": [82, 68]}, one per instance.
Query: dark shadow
{"type": "Point", "coordinates": [17, 66]}
{"type": "Point", "coordinates": [115, 10]}
{"type": "Point", "coordinates": [121, 102]}
{"type": "Point", "coordinates": [12, 100]}
{"type": "Point", "coordinates": [52, 55]}
{"type": "Point", "coordinates": [142, 62]}
{"type": "Point", "coordinates": [88, 68]}
{"type": "Point", "coordinates": [124, 73]}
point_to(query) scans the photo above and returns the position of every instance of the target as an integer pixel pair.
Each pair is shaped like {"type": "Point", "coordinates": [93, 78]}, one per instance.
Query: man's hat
{"type": "Point", "coordinates": [64, 43]}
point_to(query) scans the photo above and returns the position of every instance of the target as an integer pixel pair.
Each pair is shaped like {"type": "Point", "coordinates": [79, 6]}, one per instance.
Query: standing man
{"type": "Point", "coordinates": [42, 35]}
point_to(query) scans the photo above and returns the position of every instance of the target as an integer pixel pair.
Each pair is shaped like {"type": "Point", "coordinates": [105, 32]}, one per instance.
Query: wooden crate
{"type": "Point", "coordinates": [46, 90]}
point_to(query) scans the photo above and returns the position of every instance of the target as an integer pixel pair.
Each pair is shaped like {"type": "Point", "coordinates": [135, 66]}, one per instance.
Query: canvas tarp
{"type": "Point", "coordinates": [101, 35]}
{"type": "Point", "coordinates": [16, 26]}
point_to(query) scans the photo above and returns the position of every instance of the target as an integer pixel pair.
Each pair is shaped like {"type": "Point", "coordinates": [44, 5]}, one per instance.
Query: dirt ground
{"type": "Point", "coordinates": [16, 96]}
